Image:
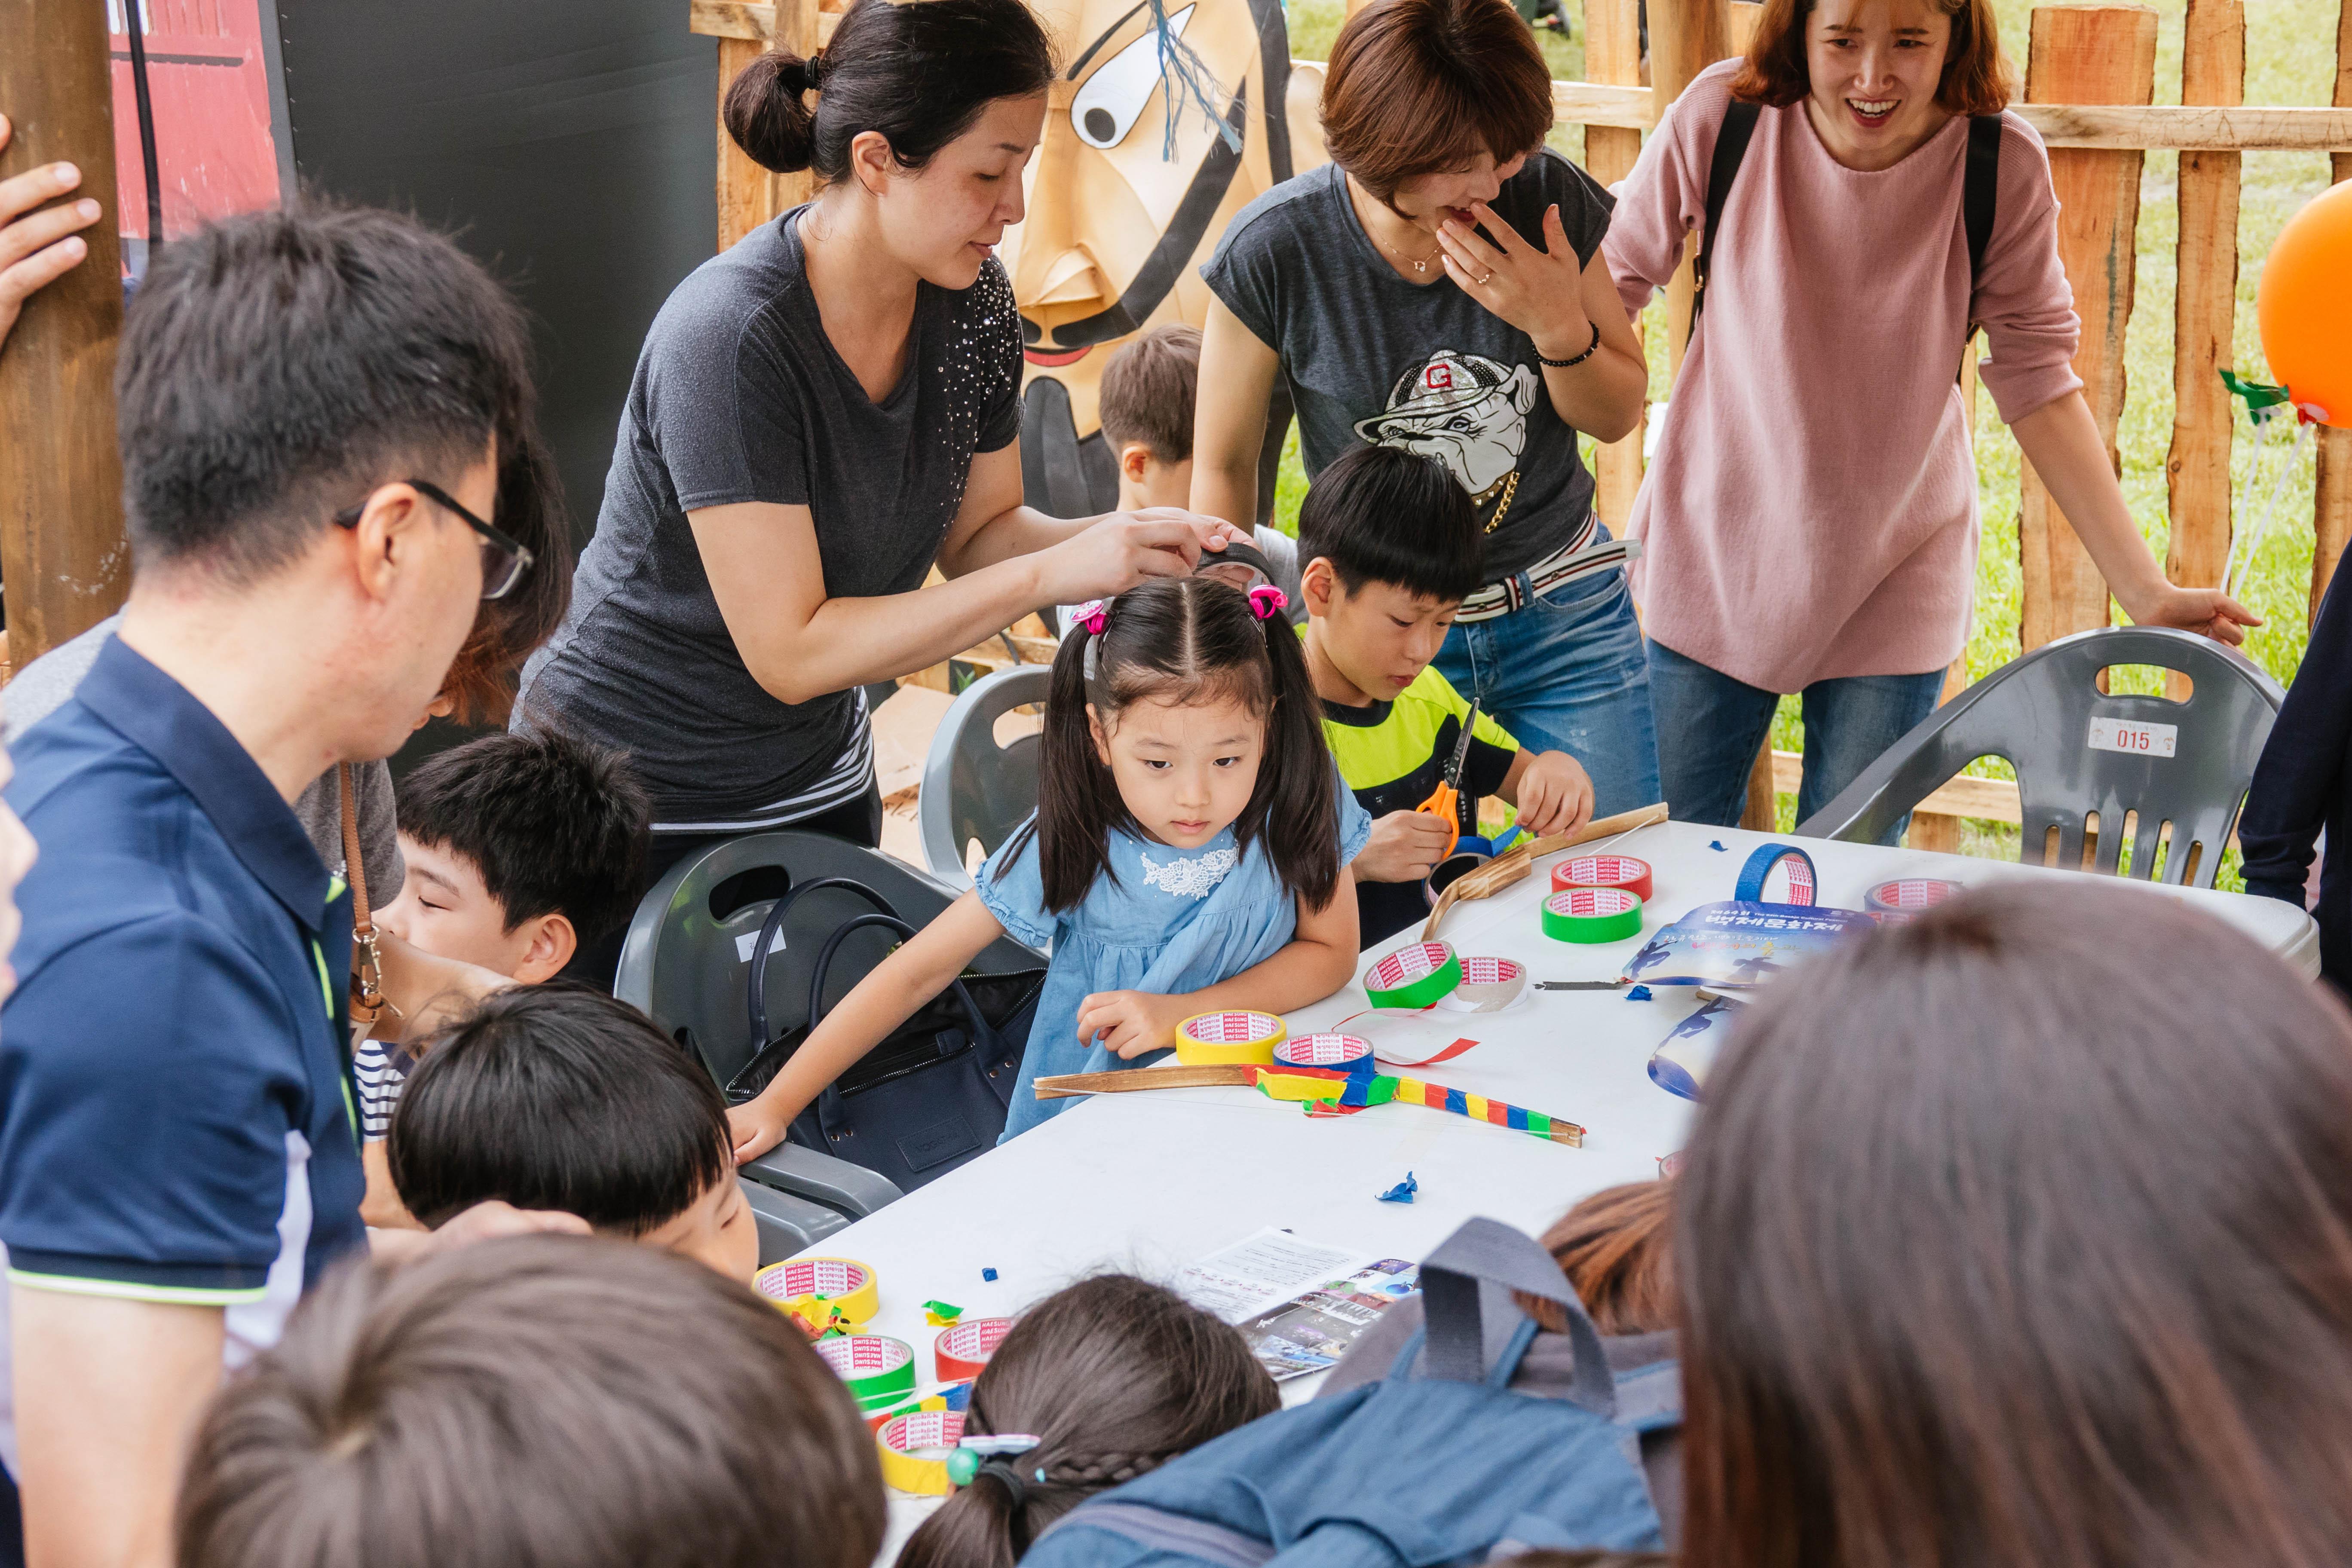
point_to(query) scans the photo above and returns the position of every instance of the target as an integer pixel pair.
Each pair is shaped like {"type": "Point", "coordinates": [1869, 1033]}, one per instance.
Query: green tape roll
{"type": "Point", "coordinates": [1413, 976]}
{"type": "Point", "coordinates": [1591, 915]}
{"type": "Point", "coordinates": [875, 1368]}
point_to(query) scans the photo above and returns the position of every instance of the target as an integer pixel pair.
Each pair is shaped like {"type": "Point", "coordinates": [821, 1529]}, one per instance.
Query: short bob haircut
{"type": "Point", "coordinates": [1416, 86]}
{"type": "Point", "coordinates": [2022, 1234]}
{"type": "Point", "coordinates": [1977, 77]}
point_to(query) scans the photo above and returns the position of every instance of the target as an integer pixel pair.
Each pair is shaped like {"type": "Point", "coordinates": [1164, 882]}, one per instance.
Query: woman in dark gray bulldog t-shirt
{"type": "Point", "coordinates": [1438, 287]}
{"type": "Point", "coordinates": [821, 414]}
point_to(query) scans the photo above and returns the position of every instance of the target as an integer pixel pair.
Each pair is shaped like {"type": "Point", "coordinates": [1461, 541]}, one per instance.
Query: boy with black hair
{"type": "Point", "coordinates": [561, 1096]}
{"type": "Point", "coordinates": [522, 849]}
{"type": "Point", "coordinates": [1391, 547]}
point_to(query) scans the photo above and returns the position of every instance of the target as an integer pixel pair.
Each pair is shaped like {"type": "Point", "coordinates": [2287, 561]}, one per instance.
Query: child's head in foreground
{"type": "Point", "coordinates": [1616, 1248]}
{"type": "Point", "coordinates": [1389, 547]}
{"type": "Point", "coordinates": [537, 1400]}
{"type": "Point", "coordinates": [558, 1097]}
{"type": "Point", "coordinates": [521, 848]}
{"type": "Point", "coordinates": [1189, 712]}
{"type": "Point", "coordinates": [1145, 403]}
{"type": "Point", "coordinates": [2022, 1233]}
{"type": "Point", "coordinates": [1115, 1376]}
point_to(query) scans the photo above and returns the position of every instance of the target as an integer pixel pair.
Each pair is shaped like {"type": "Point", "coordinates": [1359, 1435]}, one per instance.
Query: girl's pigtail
{"type": "Point", "coordinates": [1302, 817]}
{"type": "Point", "coordinates": [974, 1528]}
{"type": "Point", "coordinates": [1077, 802]}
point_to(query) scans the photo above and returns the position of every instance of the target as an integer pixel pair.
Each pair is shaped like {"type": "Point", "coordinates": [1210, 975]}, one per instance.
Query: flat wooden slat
{"type": "Point", "coordinates": [749, 196]}
{"type": "Point", "coordinates": [2085, 53]}
{"type": "Point", "coordinates": [733, 19]}
{"type": "Point", "coordinates": [2209, 128]}
{"type": "Point", "coordinates": [61, 548]}
{"type": "Point", "coordinates": [1612, 53]}
{"type": "Point", "coordinates": [2205, 307]}
{"type": "Point", "coordinates": [1685, 37]}
{"type": "Point", "coordinates": [1986, 800]}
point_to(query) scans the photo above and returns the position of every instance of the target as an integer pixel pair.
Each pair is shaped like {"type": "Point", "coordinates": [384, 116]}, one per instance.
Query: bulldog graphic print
{"type": "Point", "coordinates": [1469, 413]}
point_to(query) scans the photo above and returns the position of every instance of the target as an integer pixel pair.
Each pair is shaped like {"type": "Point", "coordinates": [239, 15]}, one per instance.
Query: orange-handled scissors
{"type": "Point", "coordinates": [1445, 800]}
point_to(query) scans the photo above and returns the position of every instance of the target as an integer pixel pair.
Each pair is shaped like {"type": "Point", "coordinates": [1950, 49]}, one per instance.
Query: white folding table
{"type": "Point", "coordinates": [1146, 1183]}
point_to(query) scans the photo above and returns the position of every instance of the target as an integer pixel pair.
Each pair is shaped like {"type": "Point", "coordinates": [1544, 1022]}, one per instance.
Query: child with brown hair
{"type": "Point", "coordinates": [1114, 1376]}
{"type": "Point", "coordinates": [545, 1400]}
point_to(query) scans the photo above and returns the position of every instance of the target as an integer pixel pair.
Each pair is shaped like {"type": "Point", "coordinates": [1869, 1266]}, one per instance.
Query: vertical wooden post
{"type": "Point", "coordinates": [749, 196]}
{"type": "Point", "coordinates": [1685, 37]}
{"type": "Point", "coordinates": [2205, 309]}
{"type": "Point", "coordinates": [61, 549]}
{"type": "Point", "coordinates": [2332, 514]}
{"type": "Point", "coordinates": [2085, 51]}
{"type": "Point", "coordinates": [1613, 54]}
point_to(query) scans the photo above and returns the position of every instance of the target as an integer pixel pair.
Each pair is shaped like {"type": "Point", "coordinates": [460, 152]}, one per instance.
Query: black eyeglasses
{"type": "Point", "coordinates": [503, 560]}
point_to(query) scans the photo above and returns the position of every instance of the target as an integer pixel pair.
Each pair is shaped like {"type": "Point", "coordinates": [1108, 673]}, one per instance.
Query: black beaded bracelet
{"type": "Point", "coordinates": [1589, 349]}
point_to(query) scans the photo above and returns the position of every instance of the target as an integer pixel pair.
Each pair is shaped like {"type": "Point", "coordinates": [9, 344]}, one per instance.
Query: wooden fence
{"type": "Point", "coordinates": [2089, 90]}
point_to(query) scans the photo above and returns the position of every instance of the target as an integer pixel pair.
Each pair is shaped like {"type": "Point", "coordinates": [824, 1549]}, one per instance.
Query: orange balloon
{"type": "Point", "coordinates": [2305, 304]}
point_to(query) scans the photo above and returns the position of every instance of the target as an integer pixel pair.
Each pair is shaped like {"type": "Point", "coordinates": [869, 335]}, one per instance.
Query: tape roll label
{"type": "Point", "coordinates": [913, 1450]}
{"type": "Point", "coordinates": [960, 1351]}
{"type": "Point", "coordinates": [1908, 894]}
{"type": "Point", "coordinates": [1792, 862]}
{"type": "Point", "coordinates": [1235, 1034]}
{"type": "Point", "coordinates": [1623, 872]}
{"type": "Point", "coordinates": [1591, 915]}
{"type": "Point", "coordinates": [1324, 1050]}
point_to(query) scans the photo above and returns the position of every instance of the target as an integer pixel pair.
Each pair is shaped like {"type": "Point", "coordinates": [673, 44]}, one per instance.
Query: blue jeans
{"type": "Point", "coordinates": [1565, 673]}
{"type": "Point", "coordinates": [1710, 728]}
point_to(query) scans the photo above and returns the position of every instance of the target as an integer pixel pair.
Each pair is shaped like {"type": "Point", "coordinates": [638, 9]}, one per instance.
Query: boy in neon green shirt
{"type": "Point", "coordinates": [1389, 546]}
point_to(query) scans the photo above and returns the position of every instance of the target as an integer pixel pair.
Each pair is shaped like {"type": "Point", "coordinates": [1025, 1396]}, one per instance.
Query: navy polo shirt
{"type": "Point", "coordinates": [175, 1117]}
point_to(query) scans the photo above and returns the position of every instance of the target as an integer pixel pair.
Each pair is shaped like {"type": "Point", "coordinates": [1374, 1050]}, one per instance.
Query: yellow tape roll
{"type": "Point", "coordinates": [1235, 1035]}
{"type": "Point", "coordinates": [909, 1471]}
{"type": "Point", "coordinates": [818, 1289]}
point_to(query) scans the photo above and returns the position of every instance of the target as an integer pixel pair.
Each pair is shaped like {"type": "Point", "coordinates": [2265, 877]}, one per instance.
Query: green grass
{"type": "Point", "coordinates": [2289, 61]}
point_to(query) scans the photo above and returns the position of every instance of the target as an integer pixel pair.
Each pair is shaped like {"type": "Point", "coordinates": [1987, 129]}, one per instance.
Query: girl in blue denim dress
{"type": "Point", "coordinates": [1189, 853]}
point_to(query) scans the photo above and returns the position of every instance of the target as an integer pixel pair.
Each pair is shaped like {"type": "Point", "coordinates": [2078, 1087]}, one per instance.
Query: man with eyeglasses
{"type": "Point", "coordinates": [308, 407]}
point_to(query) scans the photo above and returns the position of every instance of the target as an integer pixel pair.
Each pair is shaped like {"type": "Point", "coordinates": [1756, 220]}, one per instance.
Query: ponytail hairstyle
{"type": "Point", "coordinates": [1115, 1376]}
{"type": "Point", "coordinates": [1183, 639]}
{"type": "Point", "coordinates": [919, 73]}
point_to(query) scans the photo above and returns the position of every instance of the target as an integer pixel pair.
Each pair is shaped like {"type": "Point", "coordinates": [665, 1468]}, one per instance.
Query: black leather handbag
{"type": "Point", "coordinates": [933, 1094]}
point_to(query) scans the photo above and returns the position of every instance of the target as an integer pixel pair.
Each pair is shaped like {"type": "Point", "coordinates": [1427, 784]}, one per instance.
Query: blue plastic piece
{"type": "Point", "coordinates": [1639, 994]}
{"type": "Point", "coordinates": [1716, 844]}
{"type": "Point", "coordinates": [988, 1274]}
{"type": "Point", "coordinates": [1403, 1192]}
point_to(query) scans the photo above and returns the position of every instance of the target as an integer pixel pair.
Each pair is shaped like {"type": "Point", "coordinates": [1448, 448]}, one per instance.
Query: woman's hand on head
{"type": "Point", "coordinates": [1537, 291]}
{"type": "Point", "coordinates": [1129, 1022]}
{"type": "Point", "coordinates": [1126, 547]}
{"type": "Point", "coordinates": [2208, 612]}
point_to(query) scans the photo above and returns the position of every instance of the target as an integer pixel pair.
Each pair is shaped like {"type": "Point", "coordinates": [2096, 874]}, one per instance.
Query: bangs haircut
{"type": "Point", "coordinates": [558, 1097]}
{"type": "Point", "coordinates": [1381, 514]}
{"type": "Point", "coordinates": [1415, 87]}
{"type": "Point", "coordinates": [1976, 79]}
{"type": "Point", "coordinates": [1182, 639]}
{"type": "Point", "coordinates": [1148, 391]}
{"type": "Point", "coordinates": [554, 825]}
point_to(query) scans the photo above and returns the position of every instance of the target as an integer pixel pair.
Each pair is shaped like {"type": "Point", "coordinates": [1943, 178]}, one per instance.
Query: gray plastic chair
{"type": "Point", "coordinates": [972, 787]}
{"type": "Point", "coordinates": [686, 963]}
{"type": "Point", "coordinates": [2037, 712]}
{"type": "Point", "coordinates": [787, 1225]}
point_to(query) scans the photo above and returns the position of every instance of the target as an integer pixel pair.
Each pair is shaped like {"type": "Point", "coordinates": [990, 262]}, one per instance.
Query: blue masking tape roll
{"type": "Point", "coordinates": [1760, 868]}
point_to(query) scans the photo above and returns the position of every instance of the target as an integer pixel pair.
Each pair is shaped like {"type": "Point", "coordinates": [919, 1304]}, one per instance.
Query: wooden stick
{"type": "Point", "coordinates": [1063, 1086]}
{"type": "Point", "coordinates": [1514, 864]}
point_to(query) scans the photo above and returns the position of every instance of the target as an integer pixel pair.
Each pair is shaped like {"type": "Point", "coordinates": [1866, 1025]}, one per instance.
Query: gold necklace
{"type": "Point", "coordinates": [1363, 221]}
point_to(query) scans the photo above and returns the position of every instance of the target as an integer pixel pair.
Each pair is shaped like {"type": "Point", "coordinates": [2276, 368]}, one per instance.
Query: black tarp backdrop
{"type": "Point", "coordinates": [570, 146]}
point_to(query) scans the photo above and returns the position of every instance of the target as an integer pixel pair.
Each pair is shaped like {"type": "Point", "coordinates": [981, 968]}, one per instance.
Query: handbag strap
{"type": "Point", "coordinates": [756, 991]}
{"type": "Point", "coordinates": [1730, 147]}
{"type": "Point", "coordinates": [367, 969]}
{"type": "Point", "coordinates": [847, 928]}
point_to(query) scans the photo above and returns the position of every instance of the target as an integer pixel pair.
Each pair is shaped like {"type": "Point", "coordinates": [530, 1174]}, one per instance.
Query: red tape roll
{"type": "Point", "coordinates": [1620, 871]}
{"type": "Point", "coordinates": [962, 1349]}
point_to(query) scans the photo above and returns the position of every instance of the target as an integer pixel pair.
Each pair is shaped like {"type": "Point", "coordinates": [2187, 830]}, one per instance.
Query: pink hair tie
{"type": "Point", "coordinates": [1094, 615]}
{"type": "Point", "coordinates": [1266, 601]}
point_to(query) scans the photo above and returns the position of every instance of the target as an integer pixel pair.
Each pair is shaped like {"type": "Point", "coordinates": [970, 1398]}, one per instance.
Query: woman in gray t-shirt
{"type": "Point", "coordinates": [1366, 285]}
{"type": "Point", "coordinates": [821, 414]}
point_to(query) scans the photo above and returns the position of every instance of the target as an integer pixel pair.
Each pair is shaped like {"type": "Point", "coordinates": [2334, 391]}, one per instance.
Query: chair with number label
{"type": "Point", "coordinates": [2091, 768]}
{"type": "Point", "coordinates": [974, 789]}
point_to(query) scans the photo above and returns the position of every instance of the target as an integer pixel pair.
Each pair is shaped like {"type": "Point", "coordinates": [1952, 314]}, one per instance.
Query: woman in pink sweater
{"type": "Point", "coordinates": [1809, 524]}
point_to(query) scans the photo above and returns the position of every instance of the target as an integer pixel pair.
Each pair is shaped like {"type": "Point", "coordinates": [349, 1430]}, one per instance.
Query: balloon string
{"type": "Point", "coordinates": [2235, 569]}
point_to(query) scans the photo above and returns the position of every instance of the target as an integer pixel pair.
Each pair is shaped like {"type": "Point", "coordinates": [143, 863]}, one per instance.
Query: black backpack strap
{"type": "Point", "coordinates": [1730, 147]}
{"type": "Point", "coordinates": [1980, 202]}
{"type": "Point", "coordinates": [1981, 189]}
